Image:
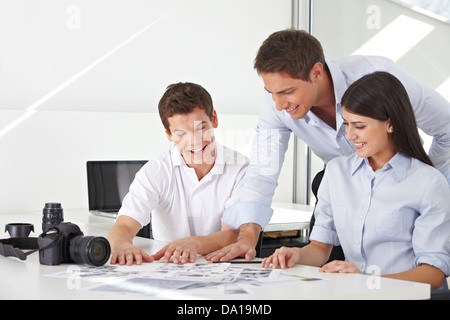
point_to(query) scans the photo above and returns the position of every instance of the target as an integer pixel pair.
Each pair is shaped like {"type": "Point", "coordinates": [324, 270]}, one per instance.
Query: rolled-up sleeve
{"type": "Point", "coordinates": [324, 227]}
{"type": "Point", "coordinates": [431, 236]}
{"type": "Point", "coordinates": [247, 212]}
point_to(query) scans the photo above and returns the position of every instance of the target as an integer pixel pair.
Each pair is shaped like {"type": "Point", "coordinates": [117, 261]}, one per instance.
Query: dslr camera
{"type": "Point", "coordinates": [64, 242]}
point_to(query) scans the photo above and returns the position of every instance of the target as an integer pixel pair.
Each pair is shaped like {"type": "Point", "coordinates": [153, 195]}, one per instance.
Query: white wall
{"type": "Point", "coordinates": [80, 80]}
{"type": "Point", "coordinates": [117, 55]}
{"type": "Point", "coordinates": [45, 158]}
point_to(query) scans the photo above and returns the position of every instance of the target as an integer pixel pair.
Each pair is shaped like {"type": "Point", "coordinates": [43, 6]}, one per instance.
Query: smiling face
{"type": "Point", "coordinates": [193, 134]}
{"type": "Point", "coordinates": [295, 96]}
{"type": "Point", "coordinates": [371, 138]}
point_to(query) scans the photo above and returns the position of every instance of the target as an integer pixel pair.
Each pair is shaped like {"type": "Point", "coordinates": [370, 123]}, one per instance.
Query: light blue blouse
{"type": "Point", "coordinates": [393, 219]}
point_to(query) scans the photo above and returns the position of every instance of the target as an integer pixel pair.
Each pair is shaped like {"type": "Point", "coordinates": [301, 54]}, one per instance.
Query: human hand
{"type": "Point", "coordinates": [244, 247]}
{"type": "Point", "coordinates": [241, 249]}
{"type": "Point", "coordinates": [181, 250]}
{"type": "Point", "coordinates": [127, 253]}
{"type": "Point", "coordinates": [282, 257]}
{"type": "Point", "coordinates": [338, 266]}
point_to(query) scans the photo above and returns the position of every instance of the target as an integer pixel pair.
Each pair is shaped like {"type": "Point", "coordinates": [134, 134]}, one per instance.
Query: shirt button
{"type": "Point", "coordinates": [358, 242]}
{"type": "Point", "coordinates": [361, 217]}
{"type": "Point", "coordinates": [368, 193]}
{"type": "Point", "coordinates": [360, 266]}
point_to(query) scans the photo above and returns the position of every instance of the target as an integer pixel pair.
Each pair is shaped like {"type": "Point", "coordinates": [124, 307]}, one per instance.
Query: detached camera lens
{"type": "Point", "coordinates": [90, 250]}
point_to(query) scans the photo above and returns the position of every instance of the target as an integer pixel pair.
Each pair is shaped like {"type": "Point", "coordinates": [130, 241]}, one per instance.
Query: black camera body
{"type": "Point", "coordinates": [64, 242]}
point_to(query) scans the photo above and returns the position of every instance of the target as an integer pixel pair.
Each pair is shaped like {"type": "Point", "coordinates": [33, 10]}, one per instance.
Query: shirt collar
{"type": "Point", "coordinates": [339, 83]}
{"type": "Point", "coordinates": [221, 159]}
{"type": "Point", "coordinates": [339, 86]}
{"type": "Point", "coordinates": [357, 164]}
{"type": "Point", "coordinates": [177, 159]}
{"type": "Point", "coordinates": [399, 164]}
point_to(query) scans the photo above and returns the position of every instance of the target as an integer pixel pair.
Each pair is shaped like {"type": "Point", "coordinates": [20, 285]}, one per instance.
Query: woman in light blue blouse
{"type": "Point", "coordinates": [386, 205]}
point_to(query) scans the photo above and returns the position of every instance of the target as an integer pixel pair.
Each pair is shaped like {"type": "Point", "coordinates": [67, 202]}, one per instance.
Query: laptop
{"type": "Point", "coordinates": [108, 183]}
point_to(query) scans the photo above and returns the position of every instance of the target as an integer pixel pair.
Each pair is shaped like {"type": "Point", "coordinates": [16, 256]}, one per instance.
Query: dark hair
{"type": "Point", "coordinates": [382, 96]}
{"type": "Point", "coordinates": [183, 98]}
{"type": "Point", "coordinates": [292, 51]}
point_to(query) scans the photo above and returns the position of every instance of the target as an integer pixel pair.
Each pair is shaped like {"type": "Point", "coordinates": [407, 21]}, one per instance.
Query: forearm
{"type": "Point", "coordinates": [249, 233]}
{"type": "Point", "coordinates": [216, 241]}
{"type": "Point", "coordinates": [123, 232]}
{"type": "Point", "coordinates": [118, 235]}
{"type": "Point", "coordinates": [121, 237]}
{"type": "Point", "coordinates": [315, 254]}
{"type": "Point", "coordinates": [423, 273]}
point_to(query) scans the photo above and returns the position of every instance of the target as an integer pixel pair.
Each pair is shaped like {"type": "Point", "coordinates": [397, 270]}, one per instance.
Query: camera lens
{"type": "Point", "coordinates": [52, 215]}
{"type": "Point", "coordinates": [89, 250]}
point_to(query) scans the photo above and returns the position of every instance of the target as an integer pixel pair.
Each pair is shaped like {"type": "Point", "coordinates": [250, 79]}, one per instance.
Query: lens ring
{"type": "Point", "coordinates": [97, 251]}
{"type": "Point", "coordinates": [90, 250]}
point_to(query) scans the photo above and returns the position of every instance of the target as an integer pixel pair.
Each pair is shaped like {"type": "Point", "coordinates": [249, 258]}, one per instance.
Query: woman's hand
{"type": "Point", "coordinates": [338, 266]}
{"type": "Point", "coordinates": [282, 257]}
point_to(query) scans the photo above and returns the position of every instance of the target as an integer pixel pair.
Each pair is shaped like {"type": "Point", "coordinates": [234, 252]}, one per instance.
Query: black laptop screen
{"type": "Point", "coordinates": [109, 182]}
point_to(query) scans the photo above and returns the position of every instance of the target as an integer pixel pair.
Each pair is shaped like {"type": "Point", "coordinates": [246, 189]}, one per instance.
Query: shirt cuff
{"type": "Point", "coordinates": [324, 235]}
{"type": "Point", "coordinates": [440, 261]}
{"type": "Point", "coordinates": [247, 212]}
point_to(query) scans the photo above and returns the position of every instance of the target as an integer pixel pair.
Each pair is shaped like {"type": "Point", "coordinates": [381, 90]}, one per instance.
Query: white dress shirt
{"type": "Point", "coordinates": [252, 203]}
{"type": "Point", "coordinates": [392, 219]}
{"type": "Point", "coordinates": [168, 192]}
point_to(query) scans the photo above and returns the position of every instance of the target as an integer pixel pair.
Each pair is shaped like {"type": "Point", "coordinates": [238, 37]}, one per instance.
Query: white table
{"type": "Point", "coordinates": [289, 216]}
{"type": "Point", "coordinates": [27, 280]}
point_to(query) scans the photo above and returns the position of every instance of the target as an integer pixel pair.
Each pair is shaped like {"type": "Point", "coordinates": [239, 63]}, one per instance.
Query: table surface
{"type": "Point", "coordinates": [27, 279]}
{"type": "Point", "coordinates": [289, 216]}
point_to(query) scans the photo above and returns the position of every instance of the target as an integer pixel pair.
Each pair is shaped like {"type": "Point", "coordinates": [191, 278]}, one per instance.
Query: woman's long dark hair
{"type": "Point", "coordinates": [382, 96]}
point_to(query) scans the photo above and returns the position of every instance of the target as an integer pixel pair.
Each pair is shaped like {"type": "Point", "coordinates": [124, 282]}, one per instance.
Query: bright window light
{"type": "Point", "coordinates": [392, 41]}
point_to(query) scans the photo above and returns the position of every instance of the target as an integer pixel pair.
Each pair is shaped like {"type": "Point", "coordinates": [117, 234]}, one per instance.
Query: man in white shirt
{"type": "Point", "coordinates": [183, 191]}
{"type": "Point", "coordinates": [303, 95]}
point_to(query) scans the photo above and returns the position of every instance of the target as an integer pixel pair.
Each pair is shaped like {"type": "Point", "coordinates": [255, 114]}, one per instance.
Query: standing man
{"type": "Point", "coordinates": [303, 96]}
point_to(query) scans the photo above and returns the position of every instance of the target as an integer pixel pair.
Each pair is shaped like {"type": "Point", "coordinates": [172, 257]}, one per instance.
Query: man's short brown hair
{"type": "Point", "coordinates": [290, 51]}
{"type": "Point", "coordinates": [183, 98]}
